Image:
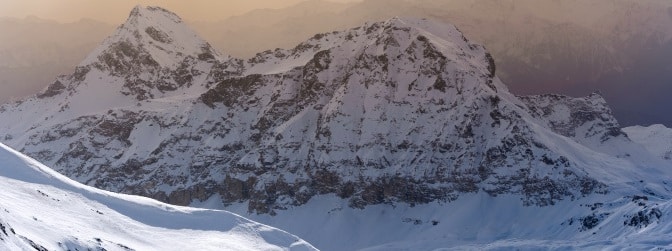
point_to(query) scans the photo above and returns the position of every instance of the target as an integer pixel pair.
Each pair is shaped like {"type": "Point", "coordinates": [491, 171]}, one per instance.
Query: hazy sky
{"type": "Point", "coordinates": [116, 11]}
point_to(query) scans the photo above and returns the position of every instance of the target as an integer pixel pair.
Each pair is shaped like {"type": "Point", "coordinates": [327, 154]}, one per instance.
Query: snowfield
{"type": "Point", "coordinates": [481, 222]}
{"type": "Point", "coordinates": [43, 210]}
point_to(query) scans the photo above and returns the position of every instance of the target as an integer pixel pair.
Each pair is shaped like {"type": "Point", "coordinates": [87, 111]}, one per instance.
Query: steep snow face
{"type": "Point", "coordinates": [43, 210]}
{"type": "Point", "coordinates": [152, 55]}
{"type": "Point", "coordinates": [160, 36]}
{"type": "Point", "coordinates": [156, 54]}
{"type": "Point", "coordinates": [655, 138]}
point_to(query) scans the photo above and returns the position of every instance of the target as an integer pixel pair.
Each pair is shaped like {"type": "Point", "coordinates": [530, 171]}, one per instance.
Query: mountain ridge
{"type": "Point", "coordinates": [654, 138]}
{"type": "Point", "coordinates": [406, 112]}
{"type": "Point", "coordinates": [373, 59]}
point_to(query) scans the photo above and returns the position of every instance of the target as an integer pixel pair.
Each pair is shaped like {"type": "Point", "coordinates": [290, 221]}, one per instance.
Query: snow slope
{"type": "Point", "coordinates": [481, 222]}
{"type": "Point", "coordinates": [40, 208]}
{"type": "Point", "coordinates": [655, 138]}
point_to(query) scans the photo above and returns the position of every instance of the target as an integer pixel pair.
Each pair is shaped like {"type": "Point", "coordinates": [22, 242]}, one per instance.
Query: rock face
{"type": "Point", "coordinates": [583, 119]}
{"type": "Point", "coordinates": [154, 53]}
{"type": "Point", "coordinates": [401, 111]}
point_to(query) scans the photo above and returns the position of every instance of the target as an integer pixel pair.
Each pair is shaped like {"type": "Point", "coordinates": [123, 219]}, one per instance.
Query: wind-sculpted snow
{"type": "Point", "coordinates": [44, 210]}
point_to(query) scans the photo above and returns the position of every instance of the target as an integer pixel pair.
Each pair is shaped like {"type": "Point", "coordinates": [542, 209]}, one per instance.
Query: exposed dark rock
{"type": "Point", "coordinates": [491, 65]}
{"type": "Point", "coordinates": [54, 89]}
{"type": "Point", "coordinates": [228, 91]}
{"type": "Point", "coordinates": [158, 35]}
{"type": "Point", "coordinates": [643, 218]}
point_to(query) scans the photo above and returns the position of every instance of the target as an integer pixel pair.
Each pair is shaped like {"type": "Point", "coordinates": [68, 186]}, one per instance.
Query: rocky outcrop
{"type": "Point", "coordinates": [579, 118]}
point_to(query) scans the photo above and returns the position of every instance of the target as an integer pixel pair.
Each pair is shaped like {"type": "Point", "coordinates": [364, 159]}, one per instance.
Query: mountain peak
{"type": "Point", "coordinates": [156, 35]}
{"type": "Point", "coordinates": [154, 12]}
{"type": "Point", "coordinates": [396, 20]}
{"type": "Point", "coordinates": [151, 55]}
{"type": "Point", "coordinates": [596, 96]}
{"type": "Point", "coordinates": [397, 41]}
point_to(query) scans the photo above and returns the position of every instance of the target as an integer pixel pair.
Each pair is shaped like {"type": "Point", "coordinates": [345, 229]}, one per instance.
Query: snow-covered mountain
{"type": "Point", "coordinates": [41, 209]}
{"type": "Point", "coordinates": [348, 130]}
{"type": "Point", "coordinates": [588, 121]}
{"type": "Point", "coordinates": [153, 55]}
{"type": "Point", "coordinates": [655, 138]}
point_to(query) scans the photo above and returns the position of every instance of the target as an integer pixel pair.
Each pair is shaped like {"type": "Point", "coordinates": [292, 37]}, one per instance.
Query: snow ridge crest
{"type": "Point", "coordinates": [140, 10]}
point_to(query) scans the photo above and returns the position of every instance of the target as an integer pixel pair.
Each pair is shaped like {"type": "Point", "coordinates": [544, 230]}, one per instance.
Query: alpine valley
{"type": "Point", "coordinates": [396, 135]}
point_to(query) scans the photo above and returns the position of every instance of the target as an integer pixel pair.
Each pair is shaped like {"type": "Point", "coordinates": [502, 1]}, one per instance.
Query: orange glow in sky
{"type": "Point", "coordinates": [116, 11]}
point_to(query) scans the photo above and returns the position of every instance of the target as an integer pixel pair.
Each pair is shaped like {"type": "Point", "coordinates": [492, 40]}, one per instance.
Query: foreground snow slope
{"type": "Point", "coordinates": [40, 208]}
{"type": "Point", "coordinates": [481, 222]}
